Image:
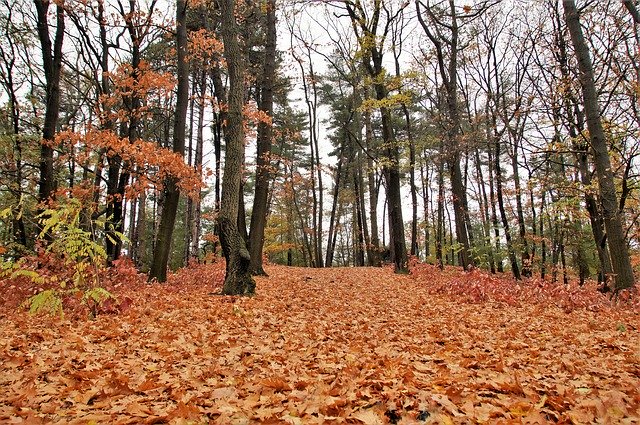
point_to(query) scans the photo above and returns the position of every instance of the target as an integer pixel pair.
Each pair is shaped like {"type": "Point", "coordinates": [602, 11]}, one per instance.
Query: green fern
{"type": "Point", "coordinates": [78, 250]}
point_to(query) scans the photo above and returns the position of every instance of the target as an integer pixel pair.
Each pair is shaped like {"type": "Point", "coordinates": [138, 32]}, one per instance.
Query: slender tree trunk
{"type": "Point", "coordinates": [375, 259]}
{"type": "Point", "coordinates": [440, 220]}
{"type": "Point", "coordinates": [522, 232]}
{"type": "Point", "coordinates": [141, 230]}
{"type": "Point", "coordinates": [172, 195]}
{"type": "Point", "coordinates": [543, 244]}
{"type": "Point", "coordinates": [484, 207]}
{"type": "Point", "coordinates": [503, 214]}
{"type": "Point", "coordinates": [52, 65]}
{"type": "Point", "coordinates": [334, 206]}
{"type": "Point", "coordinates": [424, 176]}
{"type": "Point", "coordinates": [613, 218]}
{"type": "Point", "coordinates": [265, 135]}
{"type": "Point", "coordinates": [195, 227]}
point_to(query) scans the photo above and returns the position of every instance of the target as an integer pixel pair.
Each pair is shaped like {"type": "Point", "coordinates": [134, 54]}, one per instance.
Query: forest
{"type": "Point", "coordinates": [499, 135]}
{"type": "Point", "coordinates": [204, 189]}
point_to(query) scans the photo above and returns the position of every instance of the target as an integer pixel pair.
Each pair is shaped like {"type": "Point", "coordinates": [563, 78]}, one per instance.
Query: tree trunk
{"type": "Point", "coordinates": [375, 259]}
{"type": "Point", "coordinates": [52, 65]}
{"type": "Point", "coordinates": [172, 195]}
{"type": "Point", "coordinates": [238, 280]}
{"type": "Point", "coordinates": [333, 217]}
{"type": "Point", "coordinates": [503, 214]}
{"type": "Point", "coordinates": [613, 218]}
{"type": "Point", "coordinates": [440, 219]}
{"type": "Point", "coordinates": [265, 134]}
{"type": "Point", "coordinates": [195, 227]}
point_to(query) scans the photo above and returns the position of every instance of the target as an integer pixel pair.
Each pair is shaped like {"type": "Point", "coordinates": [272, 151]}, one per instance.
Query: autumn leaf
{"type": "Point", "coordinates": [354, 345]}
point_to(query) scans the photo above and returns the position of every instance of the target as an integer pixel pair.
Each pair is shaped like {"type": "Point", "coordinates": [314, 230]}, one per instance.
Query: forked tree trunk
{"type": "Point", "coordinates": [238, 280]}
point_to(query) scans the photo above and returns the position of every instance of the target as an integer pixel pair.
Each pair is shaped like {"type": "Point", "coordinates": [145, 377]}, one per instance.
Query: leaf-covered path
{"type": "Point", "coordinates": [330, 346]}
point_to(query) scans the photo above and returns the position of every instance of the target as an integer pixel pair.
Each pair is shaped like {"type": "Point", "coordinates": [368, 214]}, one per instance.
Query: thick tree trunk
{"type": "Point", "coordinates": [392, 176]}
{"type": "Point", "coordinates": [613, 218]}
{"type": "Point", "coordinates": [265, 134]}
{"type": "Point", "coordinates": [238, 280]}
{"type": "Point", "coordinates": [172, 195]}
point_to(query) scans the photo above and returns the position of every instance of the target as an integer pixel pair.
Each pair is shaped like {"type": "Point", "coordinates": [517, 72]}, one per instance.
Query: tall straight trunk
{"type": "Point", "coordinates": [118, 174]}
{"type": "Point", "coordinates": [140, 247]}
{"type": "Point", "coordinates": [238, 280]}
{"type": "Point", "coordinates": [189, 211]}
{"type": "Point", "coordinates": [8, 58]}
{"type": "Point", "coordinates": [543, 244]}
{"type": "Point", "coordinates": [372, 61]}
{"type": "Point", "coordinates": [448, 68]}
{"type": "Point", "coordinates": [359, 239]}
{"type": "Point", "coordinates": [503, 214]}
{"type": "Point", "coordinates": [172, 195]}
{"type": "Point", "coordinates": [332, 218]}
{"type": "Point", "coordinates": [596, 220]}
{"type": "Point", "coordinates": [613, 218]}
{"type": "Point", "coordinates": [426, 200]}
{"type": "Point", "coordinates": [484, 207]}
{"type": "Point", "coordinates": [307, 249]}
{"type": "Point", "coordinates": [195, 226]}
{"type": "Point", "coordinates": [412, 184]}
{"type": "Point", "coordinates": [52, 66]}
{"type": "Point", "coordinates": [522, 231]}
{"type": "Point", "coordinates": [576, 122]}
{"type": "Point", "coordinates": [494, 214]}
{"type": "Point", "coordinates": [220, 93]}
{"type": "Point", "coordinates": [440, 220]}
{"type": "Point", "coordinates": [414, 249]}
{"type": "Point", "coordinates": [534, 221]}
{"type": "Point", "coordinates": [363, 209]}
{"type": "Point", "coordinates": [264, 142]}
{"type": "Point", "coordinates": [391, 173]}
{"type": "Point", "coordinates": [133, 211]}
{"type": "Point", "coordinates": [375, 259]}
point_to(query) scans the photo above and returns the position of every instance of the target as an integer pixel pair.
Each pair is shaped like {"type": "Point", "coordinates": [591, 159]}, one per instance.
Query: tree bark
{"type": "Point", "coordinates": [52, 65]}
{"type": "Point", "coordinates": [238, 280]}
{"type": "Point", "coordinates": [613, 218]}
{"type": "Point", "coordinates": [162, 247]}
{"type": "Point", "coordinates": [265, 134]}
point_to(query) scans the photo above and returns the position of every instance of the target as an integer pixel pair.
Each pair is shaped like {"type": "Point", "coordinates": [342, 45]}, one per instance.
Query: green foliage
{"type": "Point", "coordinates": [47, 301]}
{"type": "Point", "coordinates": [76, 249]}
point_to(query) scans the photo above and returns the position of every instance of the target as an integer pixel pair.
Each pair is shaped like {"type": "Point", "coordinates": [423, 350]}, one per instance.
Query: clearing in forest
{"type": "Point", "coordinates": [344, 345]}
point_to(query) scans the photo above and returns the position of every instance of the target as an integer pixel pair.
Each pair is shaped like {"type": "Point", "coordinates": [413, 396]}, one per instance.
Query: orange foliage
{"type": "Point", "coordinates": [151, 163]}
{"type": "Point", "coordinates": [204, 46]}
{"type": "Point", "coordinates": [142, 82]}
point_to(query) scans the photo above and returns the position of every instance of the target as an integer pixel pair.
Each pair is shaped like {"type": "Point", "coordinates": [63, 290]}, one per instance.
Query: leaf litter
{"type": "Point", "coordinates": [341, 345]}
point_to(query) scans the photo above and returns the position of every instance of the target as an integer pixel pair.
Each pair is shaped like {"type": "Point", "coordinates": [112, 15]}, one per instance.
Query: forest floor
{"type": "Point", "coordinates": [342, 345]}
